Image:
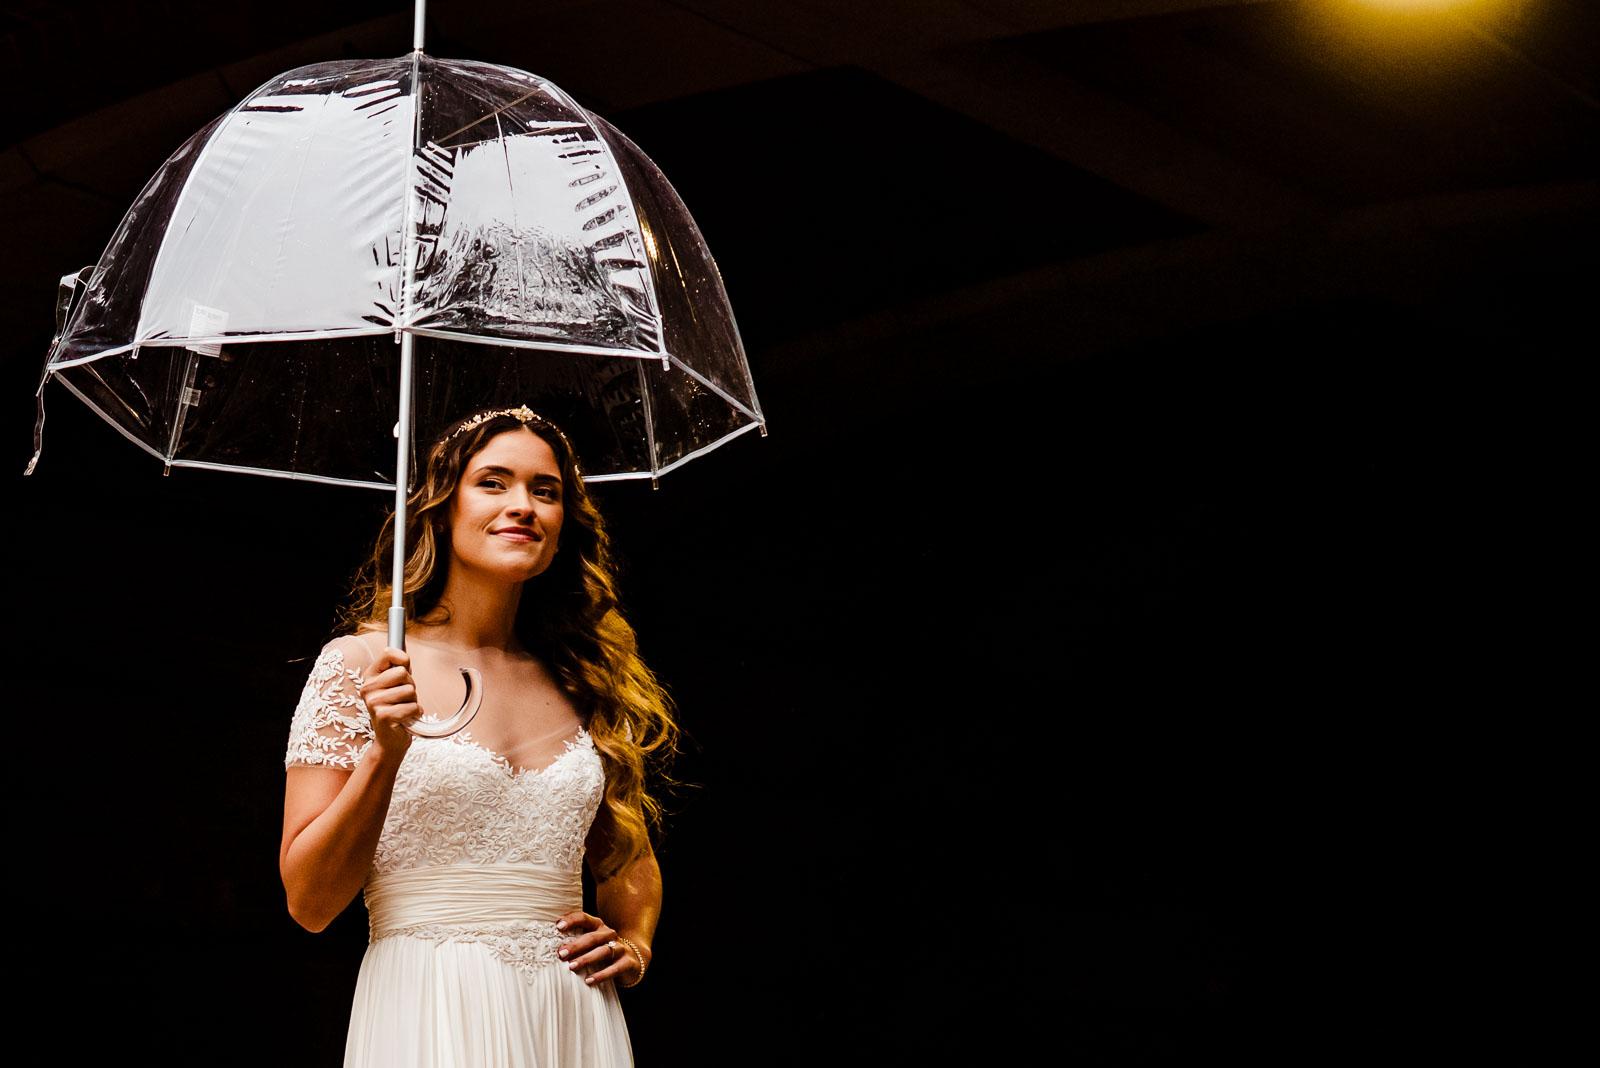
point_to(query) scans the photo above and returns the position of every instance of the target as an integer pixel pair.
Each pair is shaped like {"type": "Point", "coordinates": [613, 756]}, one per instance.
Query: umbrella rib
{"type": "Point", "coordinates": [719, 391]}
{"type": "Point", "coordinates": [697, 453]}
{"type": "Point", "coordinates": [649, 421]}
{"type": "Point", "coordinates": [541, 344]}
{"type": "Point", "coordinates": [495, 114]}
{"type": "Point", "coordinates": [292, 476]}
{"type": "Point", "coordinates": [622, 476]}
{"type": "Point", "coordinates": [185, 389]}
{"type": "Point", "coordinates": [118, 427]}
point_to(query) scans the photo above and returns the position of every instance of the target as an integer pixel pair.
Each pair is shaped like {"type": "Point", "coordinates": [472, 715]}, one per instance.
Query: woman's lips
{"type": "Point", "coordinates": [516, 534]}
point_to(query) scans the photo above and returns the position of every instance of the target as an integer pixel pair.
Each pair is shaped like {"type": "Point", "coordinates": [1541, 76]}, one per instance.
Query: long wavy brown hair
{"type": "Point", "coordinates": [568, 616]}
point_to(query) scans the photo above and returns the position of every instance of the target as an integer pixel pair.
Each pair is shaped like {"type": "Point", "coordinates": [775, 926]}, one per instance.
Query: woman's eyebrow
{"type": "Point", "coordinates": [496, 469]}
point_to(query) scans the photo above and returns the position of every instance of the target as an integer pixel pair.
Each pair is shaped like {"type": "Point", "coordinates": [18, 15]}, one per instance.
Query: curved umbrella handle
{"type": "Point", "coordinates": [469, 708]}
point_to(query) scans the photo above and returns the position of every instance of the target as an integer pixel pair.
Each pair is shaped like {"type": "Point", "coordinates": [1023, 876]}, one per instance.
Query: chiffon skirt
{"type": "Point", "coordinates": [432, 1002]}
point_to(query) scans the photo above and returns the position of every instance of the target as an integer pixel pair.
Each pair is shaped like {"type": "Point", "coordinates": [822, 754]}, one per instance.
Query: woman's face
{"type": "Point", "coordinates": [505, 517]}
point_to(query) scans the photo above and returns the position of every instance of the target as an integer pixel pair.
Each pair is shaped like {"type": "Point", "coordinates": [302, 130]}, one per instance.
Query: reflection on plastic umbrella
{"type": "Point", "coordinates": [363, 252]}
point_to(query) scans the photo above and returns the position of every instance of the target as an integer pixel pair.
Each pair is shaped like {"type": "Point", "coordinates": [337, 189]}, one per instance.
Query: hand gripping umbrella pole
{"type": "Point", "coordinates": [397, 609]}
{"type": "Point", "coordinates": [402, 467]}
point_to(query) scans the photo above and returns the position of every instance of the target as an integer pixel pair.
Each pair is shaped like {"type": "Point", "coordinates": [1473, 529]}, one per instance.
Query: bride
{"type": "Point", "coordinates": [469, 849]}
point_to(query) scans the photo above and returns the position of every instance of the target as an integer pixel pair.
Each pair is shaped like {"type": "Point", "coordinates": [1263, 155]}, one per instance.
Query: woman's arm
{"type": "Point", "coordinates": [629, 903]}
{"type": "Point", "coordinates": [332, 818]}
{"type": "Point", "coordinates": [331, 823]}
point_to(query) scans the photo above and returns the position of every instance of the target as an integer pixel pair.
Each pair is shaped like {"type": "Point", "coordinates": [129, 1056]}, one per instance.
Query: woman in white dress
{"type": "Point", "coordinates": [469, 849]}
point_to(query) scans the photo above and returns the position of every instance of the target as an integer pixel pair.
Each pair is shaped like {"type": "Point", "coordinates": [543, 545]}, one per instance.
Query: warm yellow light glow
{"type": "Point", "coordinates": [1420, 23]}
{"type": "Point", "coordinates": [1406, 6]}
{"type": "Point", "coordinates": [1417, 55]}
{"type": "Point", "coordinates": [1414, 5]}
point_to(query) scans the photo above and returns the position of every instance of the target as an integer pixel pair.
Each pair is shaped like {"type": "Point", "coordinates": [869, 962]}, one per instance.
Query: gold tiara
{"type": "Point", "coordinates": [522, 414]}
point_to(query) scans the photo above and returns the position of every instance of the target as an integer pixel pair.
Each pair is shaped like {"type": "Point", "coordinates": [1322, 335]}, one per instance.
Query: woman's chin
{"type": "Point", "coordinates": [510, 571]}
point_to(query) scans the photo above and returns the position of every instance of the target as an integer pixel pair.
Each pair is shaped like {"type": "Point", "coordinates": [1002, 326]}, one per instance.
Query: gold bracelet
{"type": "Point", "coordinates": [639, 956]}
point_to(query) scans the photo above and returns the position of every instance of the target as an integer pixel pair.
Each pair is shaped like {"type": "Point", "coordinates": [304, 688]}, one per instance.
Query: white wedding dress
{"type": "Point", "coordinates": [476, 861]}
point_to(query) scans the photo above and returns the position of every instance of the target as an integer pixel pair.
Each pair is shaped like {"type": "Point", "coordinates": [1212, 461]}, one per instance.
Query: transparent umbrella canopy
{"type": "Point", "coordinates": [362, 253]}
{"type": "Point", "coordinates": [246, 313]}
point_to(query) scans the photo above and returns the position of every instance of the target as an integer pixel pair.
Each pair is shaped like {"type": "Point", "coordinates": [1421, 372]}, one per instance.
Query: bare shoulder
{"type": "Point", "coordinates": [358, 649]}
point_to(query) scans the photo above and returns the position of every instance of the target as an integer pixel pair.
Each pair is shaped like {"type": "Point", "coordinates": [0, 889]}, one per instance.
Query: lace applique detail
{"type": "Point", "coordinates": [456, 802]}
{"type": "Point", "coordinates": [527, 947]}
{"type": "Point", "coordinates": [464, 737]}
{"type": "Point", "coordinates": [331, 726]}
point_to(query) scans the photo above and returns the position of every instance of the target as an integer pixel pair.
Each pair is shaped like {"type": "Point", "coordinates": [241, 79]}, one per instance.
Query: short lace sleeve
{"type": "Point", "coordinates": [331, 727]}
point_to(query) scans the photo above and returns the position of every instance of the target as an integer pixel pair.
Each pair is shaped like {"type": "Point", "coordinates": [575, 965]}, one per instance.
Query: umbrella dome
{"type": "Point", "coordinates": [245, 314]}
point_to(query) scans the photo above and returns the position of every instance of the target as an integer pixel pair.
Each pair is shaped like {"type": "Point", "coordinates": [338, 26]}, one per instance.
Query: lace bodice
{"type": "Point", "coordinates": [454, 801]}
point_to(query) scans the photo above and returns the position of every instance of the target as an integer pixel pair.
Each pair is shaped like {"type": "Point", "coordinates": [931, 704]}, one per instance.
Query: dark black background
{"type": "Point", "coordinates": [1137, 641]}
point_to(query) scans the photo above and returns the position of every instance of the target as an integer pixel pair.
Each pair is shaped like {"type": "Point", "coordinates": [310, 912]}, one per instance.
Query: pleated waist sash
{"type": "Point", "coordinates": [470, 896]}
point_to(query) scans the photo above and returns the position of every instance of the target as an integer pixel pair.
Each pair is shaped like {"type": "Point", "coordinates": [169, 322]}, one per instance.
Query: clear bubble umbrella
{"type": "Point", "coordinates": [363, 252]}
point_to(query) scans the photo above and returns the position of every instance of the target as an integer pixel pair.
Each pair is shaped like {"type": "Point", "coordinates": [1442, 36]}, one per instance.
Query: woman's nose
{"type": "Point", "coordinates": [521, 502]}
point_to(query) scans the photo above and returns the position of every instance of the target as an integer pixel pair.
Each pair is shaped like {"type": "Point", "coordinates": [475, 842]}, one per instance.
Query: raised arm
{"type": "Point", "coordinates": [345, 748]}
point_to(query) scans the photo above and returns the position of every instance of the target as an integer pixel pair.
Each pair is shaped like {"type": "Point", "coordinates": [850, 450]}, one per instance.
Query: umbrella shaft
{"type": "Point", "coordinates": [402, 469]}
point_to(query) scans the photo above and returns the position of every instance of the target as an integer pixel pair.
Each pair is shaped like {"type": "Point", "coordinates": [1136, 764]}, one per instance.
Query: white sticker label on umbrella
{"type": "Point", "coordinates": [207, 322]}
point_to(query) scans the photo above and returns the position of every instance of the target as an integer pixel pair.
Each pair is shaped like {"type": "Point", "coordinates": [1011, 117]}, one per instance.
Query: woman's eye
{"type": "Point", "coordinates": [490, 483]}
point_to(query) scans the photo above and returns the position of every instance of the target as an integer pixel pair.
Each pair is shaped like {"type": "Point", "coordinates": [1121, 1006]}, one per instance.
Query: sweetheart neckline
{"type": "Point", "coordinates": [576, 743]}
